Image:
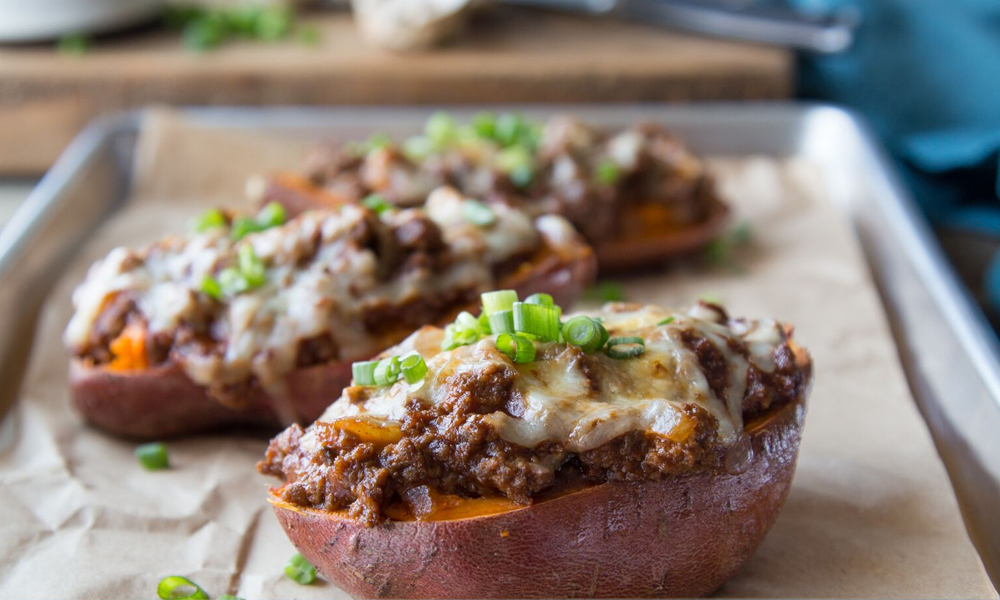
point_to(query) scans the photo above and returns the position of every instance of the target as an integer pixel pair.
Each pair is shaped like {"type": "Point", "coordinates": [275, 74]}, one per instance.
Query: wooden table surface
{"type": "Point", "coordinates": [508, 55]}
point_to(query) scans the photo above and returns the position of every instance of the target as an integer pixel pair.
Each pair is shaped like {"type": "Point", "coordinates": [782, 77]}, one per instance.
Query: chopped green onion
{"type": "Point", "coordinates": [377, 203]}
{"type": "Point", "coordinates": [387, 371]}
{"type": "Point", "coordinates": [418, 147]}
{"type": "Point", "coordinates": [300, 571]}
{"type": "Point", "coordinates": [605, 336]}
{"type": "Point", "coordinates": [272, 215]}
{"type": "Point", "coordinates": [606, 291]}
{"type": "Point", "coordinates": [251, 266]}
{"type": "Point", "coordinates": [211, 287]}
{"type": "Point", "coordinates": [502, 321]}
{"type": "Point", "coordinates": [584, 332]}
{"type": "Point", "coordinates": [607, 172]}
{"type": "Point", "coordinates": [666, 321]}
{"type": "Point", "coordinates": [465, 320]}
{"type": "Point", "coordinates": [626, 347]}
{"type": "Point", "coordinates": [179, 588]}
{"type": "Point", "coordinates": [543, 299]}
{"type": "Point", "coordinates": [364, 372]}
{"type": "Point", "coordinates": [478, 213]}
{"type": "Point", "coordinates": [484, 125]}
{"type": "Point", "coordinates": [517, 347]}
{"type": "Point", "coordinates": [498, 300]}
{"type": "Point", "coordinates": [243, 226]}
{"type": "Point", "coordinates": [440, 129]}
{"type": "Point", "coordinates": [484, 323]}
{"type": "Point", "coordinates": [153, 456]}
{"type": "Point", "coordinates": [212, 218]}
{"type": "Point", "coordinates": [536, 319]}
{"type": "Point", "coordinates": [232, 282]}
{"type": "Point", "coordinates": [517, 163]}
{"type": "Point", "coordinates": [455, 336]}
{"type": "Point", "coordinates": [413, 367]}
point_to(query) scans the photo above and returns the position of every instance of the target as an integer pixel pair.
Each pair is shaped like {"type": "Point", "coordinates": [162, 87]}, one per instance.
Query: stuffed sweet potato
{"type": "Point", "coordinates": [645, 455]}
{"type": "Point", "coordinates": [638, 194]}
{"type": "Point", "coordinates": [258, 322]}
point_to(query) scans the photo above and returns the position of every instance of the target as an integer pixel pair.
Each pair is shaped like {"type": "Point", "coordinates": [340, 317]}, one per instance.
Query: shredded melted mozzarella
{"type": "Point", "coordinates": [645, 393]}
{"type": "Point", "coordinates": [318, 280]}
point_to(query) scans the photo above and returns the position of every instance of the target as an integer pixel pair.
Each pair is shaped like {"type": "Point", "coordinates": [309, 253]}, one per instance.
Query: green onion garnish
{"type": "Point", "coordinates": [538, 320]}
{"type": "Point", "coordinates": [417, 148]}
{"type": "Point", "coordinates": [300, 571]}
{"type": "Point", "coordinates": [364, 372]}
{"type": "Point", "coordinates": [251, 267]}
{"type": "Point", "coordinates": [606, 291]}
{"type": "Point", "coordinates": [153, 456]}
{"type": "Point", "coordinates": [212, 218]}
{"type": "Point", "coordinates": [211, 287]}
{"type": "Point", "coordinates": [440, 129]}
{"type": "Point", "coordinates": [666, 321]}
{"type": "Point", "coordinates": [456, 335]}
{"type": "Point", "coordinates": [272, 215]}
{"type": "Point", "coordinates": [465, 320]}
{"type": "Point", "coordinates": [484, 323]}
{"type": "Point", "coordinates": [499, 300]}
{"type": "Point", "coordinates": [607, 172]}
{"type": "Point", "coordinates": [543, 299]}
{"type": "Point", "coordinates": [387, 371]}
{"type": "Point", "coordinates": [178, 588]}
{"type": "Point", "coordinates": [243, 226]}
{"type": "Point", "coordinates": [626, 347]}
{"type": "Point", "coordinates": [413, 367]}
{"type": "Point", "coordinates": [477, 213]}
{"type": "Point", "coordinates": [585, 332]}
{"type": "Point", "coordinates": [376, 203]}
{"type": "Point", "coordinates": [232, 282]}
{"type": "Point", "coordinates": [502, 321]}
{"type": "Point", "coordinates": [484, 125]}
{"type": "Point", "coordinates": [517, 163]}
{"type": "Point", "coordinates": [518, 348]}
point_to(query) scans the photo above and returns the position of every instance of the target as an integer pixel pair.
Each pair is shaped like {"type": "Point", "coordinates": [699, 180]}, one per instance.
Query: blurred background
{"type": "Point", "coordinates": [925, 73]}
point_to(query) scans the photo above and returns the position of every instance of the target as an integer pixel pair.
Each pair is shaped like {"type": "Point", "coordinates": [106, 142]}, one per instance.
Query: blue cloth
{"type": "Point", "coordinates": [926, 74]}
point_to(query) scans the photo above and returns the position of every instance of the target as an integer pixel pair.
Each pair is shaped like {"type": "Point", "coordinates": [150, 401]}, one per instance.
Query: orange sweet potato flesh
{"type": "Point", "coordinates": [680, 537]}
{"type": "Point", "coordinates": [652, 233]}
{"type": "Point", "coordinates": [162, 402]}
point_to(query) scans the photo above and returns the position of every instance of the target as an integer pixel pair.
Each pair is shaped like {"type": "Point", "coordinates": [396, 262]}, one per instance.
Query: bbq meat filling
{"type": "Point", "coordinates": [332, 285]}
{"type": "Point", "coordinates": [482, 427]}
{"type": "Point", "coordinates": [632, 182]}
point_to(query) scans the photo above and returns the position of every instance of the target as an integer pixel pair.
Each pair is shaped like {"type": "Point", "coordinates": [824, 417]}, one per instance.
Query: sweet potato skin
{"type": "Point", "coordinates": [681, 537]}
{"type": "Point", "coordinates": [162, 402]}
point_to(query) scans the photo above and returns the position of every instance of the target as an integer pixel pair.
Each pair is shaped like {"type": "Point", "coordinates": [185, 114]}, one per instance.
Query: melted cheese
{"type": "Point", "coordinates": [646, 393]}
{"type": "Point", "coordinates": [317, 281]}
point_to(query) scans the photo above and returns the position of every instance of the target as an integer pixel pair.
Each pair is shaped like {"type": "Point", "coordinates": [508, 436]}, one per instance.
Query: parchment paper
{"type": "Point", "coordinates": [870, 514]}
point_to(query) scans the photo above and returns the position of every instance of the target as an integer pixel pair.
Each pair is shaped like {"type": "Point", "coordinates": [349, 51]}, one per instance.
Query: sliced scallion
{"type": "Point", "coordinates": [543, 299]}
{"type": "Point", "coordinates": [242, 227]}
{"type": "Point", "coordinates": [537, 320]}
{"type": "Point", "coordinates": [607, 172]}
{"type": "Point", "coordinates": [211, 287]}
{"type": "Point", "coordinates": [272, 215]}
{"type": "Point", "coordinates": [517, 347]}
{"type": "Point", "coordinates": [387, 371]}
{"type": "Point", "coordinates": [465, 320]}
{"type": "Point", "coordinates": [626, 347]}
{"type": "Point", "coordinates": [666, 321]}
{"type": "Point", "coordinates": [232, 282]}
{"type": "Point", "coordinates": [251, 266]}
{"type": "Point", "coordinates": [584, 332]}
{"type": "Point", "coordinates": [212, 218]}
{"type": "Point", "coordinates": [456, 335]}
{"type": "Point", "coordinates": [376, 203]}
{"type": "Point", "coordinates": [300, 571]}
{"type": "Point", "coordinates": [440, 129]}
{"type": "Point", "coordinates": [499, 300]}
{"type": "Point", "coordinates": [176, 587]}
{"type": "Point", "coordinates": [153, 456]}
{"type": "Point", "coordinates": [477, 213]}
{"type": "Point", "coordinates": [502, 321]}
{"type": "Point", "coordinates": [363, 372]}
{"type": "Point", "coordinates": [484, 324]}
{"type": "Point", "coordinates": [413, 368]}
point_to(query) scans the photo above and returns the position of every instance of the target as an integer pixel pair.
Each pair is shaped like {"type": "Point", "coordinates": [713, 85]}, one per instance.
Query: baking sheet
{"type": "Point", "coordinates": [871, 512]}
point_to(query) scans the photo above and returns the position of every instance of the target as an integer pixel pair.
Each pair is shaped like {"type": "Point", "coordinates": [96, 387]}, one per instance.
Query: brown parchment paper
{"type": "Point", "coordinates": [871, 512]}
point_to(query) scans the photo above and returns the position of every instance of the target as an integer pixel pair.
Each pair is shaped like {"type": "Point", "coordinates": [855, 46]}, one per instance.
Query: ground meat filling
{"type": "Point", "coordinates": [453, 448]}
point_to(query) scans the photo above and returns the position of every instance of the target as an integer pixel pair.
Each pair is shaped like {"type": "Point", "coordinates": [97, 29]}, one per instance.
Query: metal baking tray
{"type": "Point", "coordinates": [928, 308]}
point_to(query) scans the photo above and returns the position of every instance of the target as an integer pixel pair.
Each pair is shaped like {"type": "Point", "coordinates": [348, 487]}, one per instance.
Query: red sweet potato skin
{"type": "Point", "coordinates": [680, 537]}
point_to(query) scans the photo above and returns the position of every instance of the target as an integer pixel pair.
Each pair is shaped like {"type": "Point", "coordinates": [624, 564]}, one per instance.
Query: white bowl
{"type": "Point", "coordinates": [39, 20]}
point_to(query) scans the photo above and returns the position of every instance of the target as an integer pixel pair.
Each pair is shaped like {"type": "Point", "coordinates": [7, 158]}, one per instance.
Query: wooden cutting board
{"type": "Point", "coordinates": [507, 55]}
